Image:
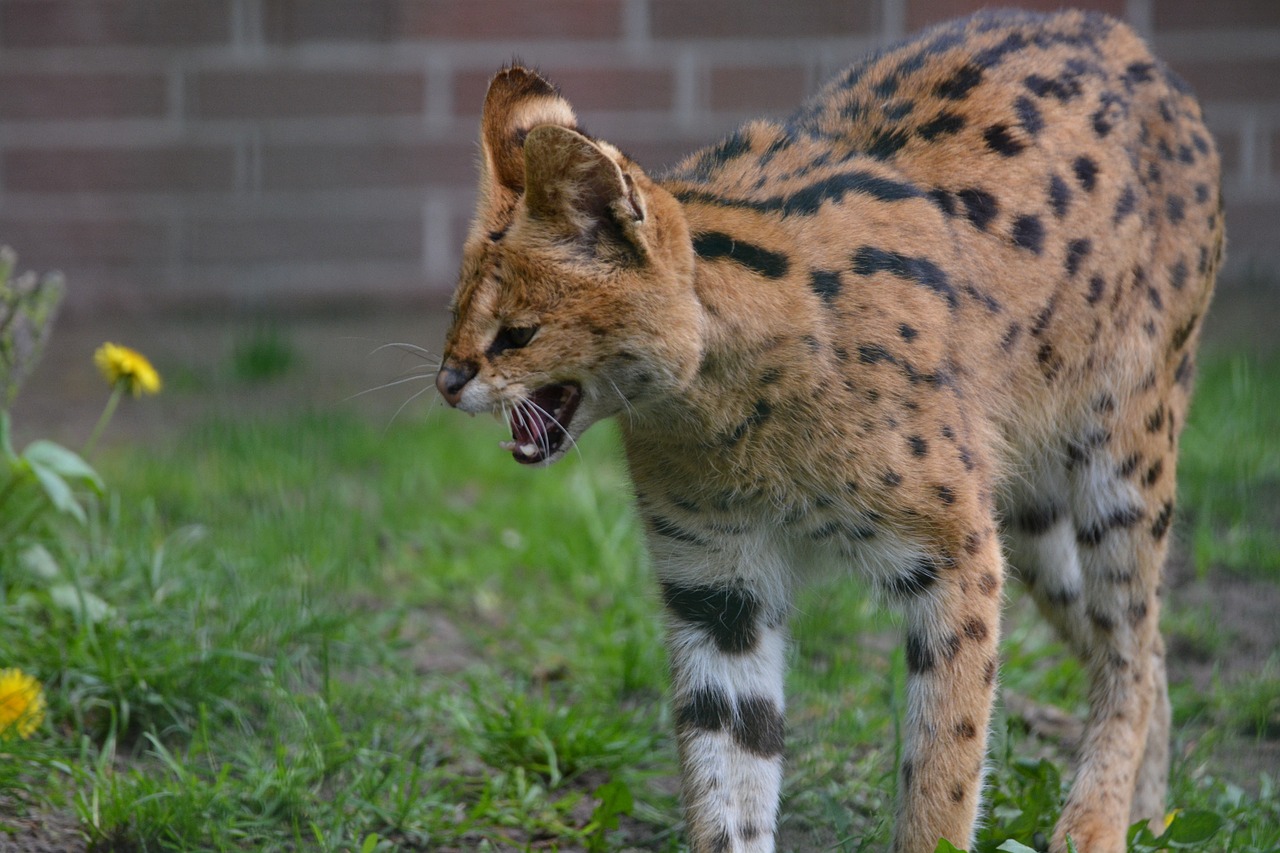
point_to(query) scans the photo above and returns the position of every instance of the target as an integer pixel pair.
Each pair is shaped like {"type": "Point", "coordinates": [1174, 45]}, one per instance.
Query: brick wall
{"type": "Point", "coordinates": [205, 153]}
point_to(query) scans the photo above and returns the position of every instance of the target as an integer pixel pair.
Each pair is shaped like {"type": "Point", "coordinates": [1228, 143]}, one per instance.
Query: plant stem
{"type": "Point", "coordinates": [107, 412]}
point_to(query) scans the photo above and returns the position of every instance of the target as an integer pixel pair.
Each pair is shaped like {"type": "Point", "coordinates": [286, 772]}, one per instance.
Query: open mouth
{"type": "Point", "coordinates": [539, 422]}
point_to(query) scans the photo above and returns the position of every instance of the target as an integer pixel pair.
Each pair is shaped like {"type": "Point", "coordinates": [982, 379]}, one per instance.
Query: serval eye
{"type": "Point", "coordinates": [512, 337]}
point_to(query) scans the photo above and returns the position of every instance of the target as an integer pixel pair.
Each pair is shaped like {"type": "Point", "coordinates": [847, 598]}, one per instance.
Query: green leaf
{"type": "Point", "coordinates": [83, 604]}
{"type": "Point", "coordinates": [58, 459]}
{"type": "Point", "coordinates": [945, 846]}
{"type": "Point", "coordinates": [60, 494]}
{"type": "Point", "coordinates": [1012, 846]}
{"type": "Point", "coordinates": [37, 562]}
{"type": "Point", "coordinates": [1190, 828]}
{"type": "Point", "coordinates": [6, 437]}
{"type": "Point", "coordinates": [370, 843]}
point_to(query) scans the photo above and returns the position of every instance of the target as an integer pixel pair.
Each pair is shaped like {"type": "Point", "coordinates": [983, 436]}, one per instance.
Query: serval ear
{"type": "Point", "coordinates": [518, 101]}
{"type": "Point", "coordinates": [577, 188]}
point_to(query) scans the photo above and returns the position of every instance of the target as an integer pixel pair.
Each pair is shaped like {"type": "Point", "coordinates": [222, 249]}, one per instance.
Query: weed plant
{"type": "Point", "coordinates": [325, 634]}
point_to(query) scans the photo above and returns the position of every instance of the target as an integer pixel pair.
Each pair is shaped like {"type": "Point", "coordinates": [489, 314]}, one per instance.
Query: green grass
{"type": "Point", "coordinates": [320, 633]}
{"type": "Point", "coordinates": [1229, 471]}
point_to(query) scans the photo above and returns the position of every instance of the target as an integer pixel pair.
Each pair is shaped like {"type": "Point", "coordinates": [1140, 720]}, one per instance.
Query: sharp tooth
{"type": "Point", "coordinates": [507, 445]}
{"type": "Point", "coordinates": [529, 449]}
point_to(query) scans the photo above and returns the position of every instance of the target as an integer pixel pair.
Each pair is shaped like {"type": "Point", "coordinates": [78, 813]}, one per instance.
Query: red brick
{"type": "Point", "coordinates": [285, 94]}
{"type": "Point", "coordinates": [921, 13]}
{"type": "Point", "coordinates": [1198, 14]}
{"type": "Point", "coordinates": [751, 89]}
{"type": "Point", "coordinates": [604, 89]}
{"type": "Point", "coordinates": [1233, 80]}
{"type": "Point", "coordinates": [91, 23]}
{"type": "Point", "coordinates": [143, 169]}
{"type": "Point", "coordinates": [396, 166]}
{"type": "Point", "coordinates": [80, 96]}
{"type": "Point", "coordinates": [391, 20]}
{"type": "Point", "coordinates": [514, 19]}
{"type": "Point", "coordinates": [98, 242]}
{"type": "Point", "coordinates": [259, 238]}
{"type": "Point", "coordinates": [762, 18]}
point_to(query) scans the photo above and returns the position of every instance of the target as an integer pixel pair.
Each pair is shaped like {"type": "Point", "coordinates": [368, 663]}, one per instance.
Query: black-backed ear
{"type": "Point", "coordinates": [575, 186]}
{"type": "Point", "coordinates": [518, 101]}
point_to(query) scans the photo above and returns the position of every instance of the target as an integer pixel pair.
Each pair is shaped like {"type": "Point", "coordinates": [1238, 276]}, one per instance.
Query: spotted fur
{"type": "Point", "coordinates": [947, 311]}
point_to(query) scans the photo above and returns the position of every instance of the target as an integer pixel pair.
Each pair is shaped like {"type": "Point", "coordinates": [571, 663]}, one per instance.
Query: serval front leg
{"type": "Point", "coordinates": [952, 609]}
{"type": "Point", "coordinates": [726, 641]}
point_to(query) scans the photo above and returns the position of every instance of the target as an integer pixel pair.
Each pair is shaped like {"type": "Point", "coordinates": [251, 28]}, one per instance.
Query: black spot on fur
{"type": "Point", "coordinates": [1153, 296]}
{"type": "Point", "coordinates": [1011, 336]}
{"type": "Point", "coordinates": [1129, 465]}
{"type": "Point", "coordinates": [869, 260]}
{"type": "Point", "coordinates": [1037, 520]}
{"type": "Point", "coordinates": [945, 494]}
{"type": "Point", "coordinates": [1093, 534]}
{"type": "Point", "coordinates": [1176, 207]}
{"type": "Point", "coordinates": [1153, 473]}
{"type": "Point", "coordinates": [1112, 109]}
{"type": "Point", "coordinates": [980, 206]}
{"type": "Point", "coordinates": [874, 354]}
{"type": "Point", "coordinates": [958, 85]}
{"type": "Point", "coordinates": [945, 124]}
{"type": "Point", "coordinates": [715, 245]}
{"type": "Point", "coordinates": [758, 415]}
{"type": "Point", "coordinates": [1086, 173]}
{"type": "Point", "coordinates": [1161, 525]}
{"type": "Point", "coordinates": [918, 579]}
{"type": "Point", "coordinates": [1049, 362]}
{"type": "Point", "coordinates": [1077, 251]}
{"type": "Point", "coordinates": [1028, 233]}
{"type": "Point", "coordinates": [1059, 196]}
{"type": "Point", "coordinates": [1097, 286]}
{"type": "Point", "coordinates": [1180, 336]}
{"type": "Point", "coordinates": [1126, 204]}
{"type": "Point", "coordinates": [919, 447]}
{"type": "Point", "coordinates": [886, 143]}
{"type": "Point", "coordinates": [892, 478]}
{"type": "Point", "coordinates": [1138, 72]}
{"type": "Point", "coordinates": [907, 333]}
{"type": "Point", "coordinates": [706, 709]}
{"type": "Point", "coordinates": [945, 201]}
{"type": "Point", "coordinates": [728, 615]}
{"type": "Point", "coordinates": [1137, 613]}
{"type": "Point", "coordinates": [1155, 420]}
{"type": "Point", "coordinates": [1185, 371]}
{"type": "Point", "coordinates": [807, 201]}
{"type": "Point", "coordinates": [1000, 141]}
{"type": "Point", "coordinates": [1062, 88]}
{"type": "Point", "coordinates": [759, 727]}
{"type": "Point", "coordinates": [1043, 316]}
{"type": "Point", "coordinates": [825, 283]}
{"type": "Point", "coordinates": [1028, 115]}
{"type": "Point", "coordinates": [966, 730]}
{"type": "Point", "coordinates": [1102, 621]}
{"type": "Point", "coordinates": [1178, 275]}
{"type": "Point", "coordinates": [975, 629]}
{"type": "Point", "coordinates": [920, 657]}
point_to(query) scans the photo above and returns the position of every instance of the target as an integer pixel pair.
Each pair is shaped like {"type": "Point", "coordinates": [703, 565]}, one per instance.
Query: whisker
{"type": "Point", "coordinates": [563, 428]}
{"type": "Point", "coordinates": [415, 396]}
{"type": "Point", "coordinates": [390, 384]}
{"type": "Point", "coordinates": [411, 349]}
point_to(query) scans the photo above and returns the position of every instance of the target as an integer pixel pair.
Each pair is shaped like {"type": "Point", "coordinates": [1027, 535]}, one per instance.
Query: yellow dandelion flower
{"type": "Point", "coordinates": [127, 368]}
{"type": "Point", "coordinates": [21, 703]}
